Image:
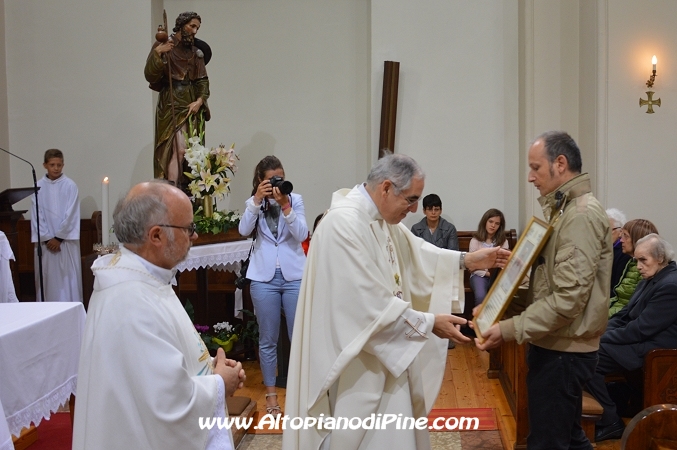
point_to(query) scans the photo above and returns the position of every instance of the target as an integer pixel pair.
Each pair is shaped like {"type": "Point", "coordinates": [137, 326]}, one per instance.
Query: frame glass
{"type": "Point", "coordinates": [506, 284]}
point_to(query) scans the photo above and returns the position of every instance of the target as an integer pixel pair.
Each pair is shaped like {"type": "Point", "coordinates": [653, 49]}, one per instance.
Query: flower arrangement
{"type": "Point", "coordinates": [218, 222]}
{"type": "Point", "coordinates": [209, 175]}
{"type": "Point", "coordinates": [209, 168]}
{"type": "Point", "coordinates": [224, 336]}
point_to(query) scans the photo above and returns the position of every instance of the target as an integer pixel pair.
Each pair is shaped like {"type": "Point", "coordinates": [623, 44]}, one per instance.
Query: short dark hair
{"type": "Point", "coordinates": [53, 153]}
{"type": "Point", "coordinates": [318, 219]}
{"type": "Point", "coordinates": [184, 18]}
{"type": "Point", "coordinates": [432, 200]}
{"type": "Point", "coordinates": [558, 143]}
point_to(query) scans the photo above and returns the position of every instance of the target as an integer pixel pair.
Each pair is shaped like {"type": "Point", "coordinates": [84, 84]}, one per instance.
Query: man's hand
{"type": "Point", "coordinates": [492, 337]}
{"type": "Point", "coordinates": [164, 47]}
{"type": "Point", "coordinates": [448, 326]}
{"type": "Point", "coordinates": [231, 371]}
{"type": "Point", "coordinates": [53, 245]}
{"type": "Point", "coordinates": [194, 107]}
{"type": "Point", "coordinates": [486, 258]}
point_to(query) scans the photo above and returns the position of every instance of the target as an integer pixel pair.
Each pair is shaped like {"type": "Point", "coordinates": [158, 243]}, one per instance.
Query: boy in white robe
{"type": "Point", "coordinates": [59, 233]}
{"type": "Point", "coordinates": [372, 316]}
{"type": "Point", "coordinates": [145, 377]}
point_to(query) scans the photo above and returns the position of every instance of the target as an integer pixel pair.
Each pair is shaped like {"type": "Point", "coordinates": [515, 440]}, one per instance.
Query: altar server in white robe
{"type": "Point", "coordinates": [59, 233]}
{"type": "Point", "coordinates": [373, 316]}
{"type": "Point", "coordinates": [7, 293]}
{"type": "Point", "coordinates": [145, 376]}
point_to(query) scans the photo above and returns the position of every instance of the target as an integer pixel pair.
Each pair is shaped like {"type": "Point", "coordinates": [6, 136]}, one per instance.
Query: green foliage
{"type": "Point", "coordinates": [220, 222]}
{"type": "Point", "coordinates": [248, 332]}
{"type": "Point", "coordinates": [189, 310]}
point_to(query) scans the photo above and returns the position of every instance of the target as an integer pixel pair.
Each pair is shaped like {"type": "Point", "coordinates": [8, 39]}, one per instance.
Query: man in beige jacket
{"type": "Point", "coordinates": [567, 306]}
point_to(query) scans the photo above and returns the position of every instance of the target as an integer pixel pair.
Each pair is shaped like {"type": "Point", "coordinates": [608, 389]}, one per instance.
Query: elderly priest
{"type": "Point", "coordinates": [373, 316]}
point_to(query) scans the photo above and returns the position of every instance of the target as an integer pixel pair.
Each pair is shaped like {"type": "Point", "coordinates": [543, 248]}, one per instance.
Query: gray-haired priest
{"type": "Point", "coordinates": [373, 317]}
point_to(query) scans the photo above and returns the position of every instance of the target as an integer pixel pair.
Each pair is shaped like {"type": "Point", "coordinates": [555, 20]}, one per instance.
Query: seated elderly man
{"type": "Point", "coordinates": [145, 376]}
{"type": "Point", "coordinates": [647, 322]}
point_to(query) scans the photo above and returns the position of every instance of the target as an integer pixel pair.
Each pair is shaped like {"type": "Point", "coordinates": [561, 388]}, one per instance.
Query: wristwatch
{"type": "Point", "coordinates": [461, 261]}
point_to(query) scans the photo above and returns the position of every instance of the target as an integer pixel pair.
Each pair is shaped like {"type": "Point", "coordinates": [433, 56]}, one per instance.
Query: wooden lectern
{"type": "Point", "coordinates": [8, 221]}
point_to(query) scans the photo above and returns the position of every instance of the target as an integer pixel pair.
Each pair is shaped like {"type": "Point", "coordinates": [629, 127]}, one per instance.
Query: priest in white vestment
{"type": "Point", "coordinates": [373, 318]}
{"type": "Point", "coordinates": [145, 377]}
{"type": "Point", "coordinates": [59, 233]}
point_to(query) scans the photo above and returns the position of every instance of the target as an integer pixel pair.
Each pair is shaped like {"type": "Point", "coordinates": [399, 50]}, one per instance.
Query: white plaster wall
{"type": "Point", "coordinates": [642, 155]}
{"type": "Point", "coordinates": [4, 131]}
{"type": "Point", "coordinates": [290, 79]}
{"type": "Point", "coordinates": [458, 102]}
{"type": "Point", "coordinates": [302, 80]}
{"type": "Point", "coordinates": [553, 71]}
{"type": "Point", "coordinates": [299, 79]}
{"type": "Point", "coordinates": [75, 82]}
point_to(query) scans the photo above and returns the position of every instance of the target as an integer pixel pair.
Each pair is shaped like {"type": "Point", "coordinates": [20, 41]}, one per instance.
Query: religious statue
{"type": "Point", "coordinates": [176, 69]}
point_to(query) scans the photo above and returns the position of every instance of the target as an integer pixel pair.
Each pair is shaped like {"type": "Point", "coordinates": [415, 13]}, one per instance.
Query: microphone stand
{"type": "Point", "coordinates": [37, 220]}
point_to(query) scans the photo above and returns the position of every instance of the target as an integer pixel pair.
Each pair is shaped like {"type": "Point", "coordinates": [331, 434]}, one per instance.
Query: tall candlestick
{"type": "Point", "coordinates": [654, 61]}
{"type": "Point", "coordinates": [105, 226]}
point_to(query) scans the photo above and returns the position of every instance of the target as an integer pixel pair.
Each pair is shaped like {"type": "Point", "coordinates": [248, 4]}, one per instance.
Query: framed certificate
{"type": "Point", "coordinates": [506, 284]}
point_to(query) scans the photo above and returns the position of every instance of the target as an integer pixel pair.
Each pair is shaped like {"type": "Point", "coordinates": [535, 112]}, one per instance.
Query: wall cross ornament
{"type": "Point", "coordinates": [649, 102]}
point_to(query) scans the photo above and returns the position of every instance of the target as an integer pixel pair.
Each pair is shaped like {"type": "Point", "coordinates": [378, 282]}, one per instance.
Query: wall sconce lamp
{"type": "Point", "coordinates": [649, 102]}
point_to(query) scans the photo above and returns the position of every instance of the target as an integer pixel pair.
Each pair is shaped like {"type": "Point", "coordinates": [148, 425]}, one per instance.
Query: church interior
{"type": "Point", "coordinates": [305, 80]}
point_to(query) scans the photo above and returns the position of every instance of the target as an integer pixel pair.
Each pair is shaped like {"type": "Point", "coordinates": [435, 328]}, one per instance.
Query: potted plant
{"type": "Point", "coordinates": [222, 334]}
{"type": "Point", "coordinates": [248, 331]}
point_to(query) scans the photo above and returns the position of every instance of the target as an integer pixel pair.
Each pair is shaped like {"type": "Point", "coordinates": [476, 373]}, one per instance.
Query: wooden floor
{"type": "Point", "coordinates": [465, 385]}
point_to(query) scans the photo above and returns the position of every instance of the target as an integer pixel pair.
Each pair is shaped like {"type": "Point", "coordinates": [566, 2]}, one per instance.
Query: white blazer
{"type": "Point", "coordinates": [291, 231]}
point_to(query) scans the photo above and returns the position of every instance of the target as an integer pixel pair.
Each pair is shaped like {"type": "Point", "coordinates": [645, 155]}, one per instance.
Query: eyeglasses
{"type": "Point", "coordinates": [191, 228]}
{"type": "Point", "coordinates": [410, 200]}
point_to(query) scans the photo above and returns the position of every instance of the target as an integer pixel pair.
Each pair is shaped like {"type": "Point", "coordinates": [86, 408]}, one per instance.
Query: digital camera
{"type": "Point", "coordinates": [284, 186]}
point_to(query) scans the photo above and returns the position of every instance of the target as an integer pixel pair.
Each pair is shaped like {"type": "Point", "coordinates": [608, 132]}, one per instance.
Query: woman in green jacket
{"type": "Point", "coordinates": [632, 231]}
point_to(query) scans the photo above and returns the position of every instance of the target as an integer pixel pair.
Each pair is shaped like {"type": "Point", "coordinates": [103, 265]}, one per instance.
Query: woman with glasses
{"type": "Point", "coordinates": [631, 232]}
{"type": "Point", "coordinates": [277, 222]}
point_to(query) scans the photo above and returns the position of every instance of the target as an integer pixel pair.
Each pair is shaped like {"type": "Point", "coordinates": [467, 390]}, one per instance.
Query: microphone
{"type": "Point", "coordinates": [37, 220]}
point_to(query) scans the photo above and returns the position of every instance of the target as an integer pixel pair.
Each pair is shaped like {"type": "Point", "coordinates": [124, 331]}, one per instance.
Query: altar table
{"type": "Point", "coordinates": [39, 355]}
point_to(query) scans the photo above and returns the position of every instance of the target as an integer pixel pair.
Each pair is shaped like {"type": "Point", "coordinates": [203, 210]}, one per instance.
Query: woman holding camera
{"type": "Point", "coordinates": [277, 217]}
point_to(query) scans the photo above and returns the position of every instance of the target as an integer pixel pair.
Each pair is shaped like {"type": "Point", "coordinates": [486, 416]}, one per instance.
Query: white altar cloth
{"type": "Point", "coordinates": [39, 355]}
{"type": "Point", "coordinates": [5, 437]}
{"type": "Point", "coordinates": [225, 256]}
{"type": "Point", "coordinates": [7, 293]}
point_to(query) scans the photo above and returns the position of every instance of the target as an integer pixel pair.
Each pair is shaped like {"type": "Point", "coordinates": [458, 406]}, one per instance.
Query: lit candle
{"type": "Point", "coordinates": [654, 61]}
{"type": "Point", "coordinates": [105, 235]}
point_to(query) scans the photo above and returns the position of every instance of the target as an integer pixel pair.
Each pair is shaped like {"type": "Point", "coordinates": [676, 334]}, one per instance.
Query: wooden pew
{"type": "Point", "coordinates": [508, 364]}
{"type": "Point", "coordinates": [660, 377]}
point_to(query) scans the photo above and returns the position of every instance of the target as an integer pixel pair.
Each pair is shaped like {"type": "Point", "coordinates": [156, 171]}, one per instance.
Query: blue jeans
{"type": "Point", "coordinates": [480, 286]}
{"type": "Point", "coordinates": [555, 397]}
{"type": "Point", "coordinates": [270, 300]}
